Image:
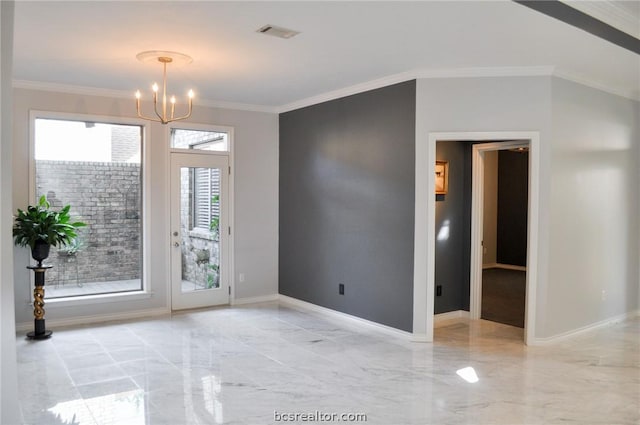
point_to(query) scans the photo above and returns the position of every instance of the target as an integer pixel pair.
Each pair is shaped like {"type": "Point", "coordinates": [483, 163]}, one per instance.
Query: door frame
{"type": "Point", "coordinates": [231, 154]}
{"type": "Point", "coordinates": [424, 230]}
{"type": "Point", "coordinates": [204, 158]}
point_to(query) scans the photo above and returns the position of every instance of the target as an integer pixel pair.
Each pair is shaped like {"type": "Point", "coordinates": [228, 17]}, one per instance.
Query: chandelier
{"type": "Point", "coordinates": [162, 115]}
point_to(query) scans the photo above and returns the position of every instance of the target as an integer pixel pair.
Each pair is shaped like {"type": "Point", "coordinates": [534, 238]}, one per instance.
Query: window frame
{"type": "Point", "coordinates": [145, 159]}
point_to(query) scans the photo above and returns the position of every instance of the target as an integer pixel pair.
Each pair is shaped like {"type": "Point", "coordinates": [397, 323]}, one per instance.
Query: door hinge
{"type": "Point", "coordinates": [229, 169]}
{"type": "Point", "coordinates": [229, 290]}
{"type": "Point", "coordinates": [229, 229]}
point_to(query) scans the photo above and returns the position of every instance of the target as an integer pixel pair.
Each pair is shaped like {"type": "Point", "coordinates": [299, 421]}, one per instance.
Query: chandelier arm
{"type": "Point", "coordinates": [143, 116]}
{"type": "Point", "coordinates": [148, 118]}
{"type": "Point", "coordinates": [184, 116]}
{"type": "Point", "coordinates": [155, 109]}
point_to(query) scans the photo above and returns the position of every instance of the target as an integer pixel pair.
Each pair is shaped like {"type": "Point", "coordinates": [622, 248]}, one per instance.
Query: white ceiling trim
{"type": "Point", "coordinates": [123, 94]}
{"type": "Point", "coordinates": [514, 71]}
{"type": "Point", "coordinates": [238, 106]}
{"type": "Point", "coordinates": [70, 89]}
{"type": "Point", "coordinates": [531, 71]}
{"type": "Point", "coordinates": [348, 91]}
{"type": "Point", "coordinates": [610, 13]}
{"type": "Point", "coordinates": [576, 78]}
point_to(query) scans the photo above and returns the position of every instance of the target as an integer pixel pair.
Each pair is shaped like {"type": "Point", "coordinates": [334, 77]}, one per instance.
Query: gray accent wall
{"type": "Point", "coordinates": [453, 229]}
{"type": "Point", "coordinates": [347, 204]}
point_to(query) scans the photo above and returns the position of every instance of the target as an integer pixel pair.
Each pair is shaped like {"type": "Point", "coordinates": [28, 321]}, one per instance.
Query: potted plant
{"type": "Point", "coordinates": [40, 227]}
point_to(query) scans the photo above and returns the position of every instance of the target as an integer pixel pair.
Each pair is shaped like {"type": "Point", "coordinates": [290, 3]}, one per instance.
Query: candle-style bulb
{"type": "Point", "coordinates": [173, 99]}
{"type": "Point", "coordinates": [191, 94]}
{"type": "Point", "coordinates": [138, 94]}
{"type": "Point", "coordinates": [155, 87]}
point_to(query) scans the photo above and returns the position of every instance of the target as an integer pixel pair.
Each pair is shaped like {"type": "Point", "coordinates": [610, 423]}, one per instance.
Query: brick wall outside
{"type": "Point", "coordinates": [106, 196]}
{"type": "Point", "coordinates": [125, 143]}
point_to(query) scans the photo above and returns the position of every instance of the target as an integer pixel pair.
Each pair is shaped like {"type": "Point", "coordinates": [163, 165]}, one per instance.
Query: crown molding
{"type": "Point", "coordinates": [348, 91]}
{"type": "Point", "coordinates": [576, 78]}
{"type": "Point", "coordinates": [70, 89]}
{"type": "Point", "coordinates": [513, 71]}
{"type": "Point", "coordinates": [502, 71]}
{"type": "Point", "coordinates": [610, 13]}
{"type": "Point", "coordinates": [239, 106]}
{"type": "Point", "coordinates": [123, 94]}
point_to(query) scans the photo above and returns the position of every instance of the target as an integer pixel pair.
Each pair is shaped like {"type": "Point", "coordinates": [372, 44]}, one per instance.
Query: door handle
{"type": "Point", "coordinates": [176, 244]}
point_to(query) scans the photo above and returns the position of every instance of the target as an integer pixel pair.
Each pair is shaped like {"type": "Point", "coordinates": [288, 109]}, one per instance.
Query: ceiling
{"type": "Point", "coordinates": [93, 44]}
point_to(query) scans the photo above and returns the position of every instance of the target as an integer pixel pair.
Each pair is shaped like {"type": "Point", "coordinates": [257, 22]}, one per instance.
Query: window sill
{"type": "Point", "coordinates": [95, 299]}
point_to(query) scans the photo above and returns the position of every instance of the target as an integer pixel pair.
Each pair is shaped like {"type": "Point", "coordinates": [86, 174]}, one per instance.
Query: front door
{"type": "Point", "coordinates": [199, 230]}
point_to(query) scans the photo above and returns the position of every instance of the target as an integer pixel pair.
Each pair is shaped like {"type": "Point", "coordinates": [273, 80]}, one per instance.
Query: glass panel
{"type": "Point", "coordinates": [200, 140]}
{"type": "Point", "coordinates": [199, 227]}
{"type": "Point", "coordinates": [95, 168]}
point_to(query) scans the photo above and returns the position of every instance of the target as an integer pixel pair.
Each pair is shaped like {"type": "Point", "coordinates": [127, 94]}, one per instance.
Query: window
{"type": "Point", "coordinates": [96, 168]}
{"type": "Point", "coordinates": [204, 183]}
{"type": "Point", "coordinates": [206, 198]}
{"type": "Point", "coordinates": [200, 140]}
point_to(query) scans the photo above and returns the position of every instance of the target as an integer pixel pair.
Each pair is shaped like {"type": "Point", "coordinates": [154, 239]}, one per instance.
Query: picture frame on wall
{"type": "Point", "coordinates": [442, 177]}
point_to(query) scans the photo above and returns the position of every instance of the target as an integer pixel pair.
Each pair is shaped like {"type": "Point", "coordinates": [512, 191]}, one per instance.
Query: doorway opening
{"type": "Point", "coordinates": [503, 209]}
{"type": "Point", "coordinates": [424, 273]}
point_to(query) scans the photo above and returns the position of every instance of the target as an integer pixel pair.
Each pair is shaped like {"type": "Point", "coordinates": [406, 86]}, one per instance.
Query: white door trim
{"type": "Point", "coordinates": [424, 233]}
{"type": "Point", "coordinates": [231, 179]}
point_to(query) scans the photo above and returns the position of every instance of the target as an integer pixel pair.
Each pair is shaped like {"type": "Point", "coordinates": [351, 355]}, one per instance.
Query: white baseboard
{"type": "Point", "coordinates": [254, 300]}
{"type": "Point", "coordinates": [82, 320]}
{"type": "Point", "coordinates": [591, 327]}
{"type": "Point", "coordinates": [333, 314]}
{"type": "Point", "coordinates": [450, 315]}
{"type": "Point", "coordinates": [504, 266]}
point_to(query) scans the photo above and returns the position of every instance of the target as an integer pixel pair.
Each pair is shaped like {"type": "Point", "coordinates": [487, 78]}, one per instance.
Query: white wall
{"type": "Point", "coordinates": [492, 104]}
{"type": "Point", "coordinates": [594, 244]}
{"type": "Point", "coordinates": [589, 199]}
{"type": "Point", "coordinates": [256, 198]}
{"type": "Point", "coordinates": [8, 376]}
{"type": "Point", "coordinates": [490, 210]}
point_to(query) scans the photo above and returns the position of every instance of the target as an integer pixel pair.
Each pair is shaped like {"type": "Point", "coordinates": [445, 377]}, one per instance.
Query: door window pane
{"type": "Point", "coordinates": [200, 140]}
{"type": "Point", "coordinates": [96, 168]}
{"type": "Point", "coordinates": [199, 227]}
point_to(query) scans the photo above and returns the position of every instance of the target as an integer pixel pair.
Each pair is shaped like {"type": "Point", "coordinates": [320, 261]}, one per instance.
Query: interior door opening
{"type": "Point", "coordinates": [485, 206]}
{"type": "Point", "coordinates": [504, 235]}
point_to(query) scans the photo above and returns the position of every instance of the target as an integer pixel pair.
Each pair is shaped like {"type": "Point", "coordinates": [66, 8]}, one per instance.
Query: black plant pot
{"type": "Point", "coordinates": [40, 251]}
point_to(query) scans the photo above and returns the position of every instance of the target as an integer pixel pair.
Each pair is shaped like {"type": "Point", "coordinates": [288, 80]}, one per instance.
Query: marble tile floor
{"type": "Point", "coordinates": [249, 364]}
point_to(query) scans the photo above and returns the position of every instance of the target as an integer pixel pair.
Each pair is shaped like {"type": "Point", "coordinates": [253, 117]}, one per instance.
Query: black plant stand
{"type": "Point", "coordinates": [40, 331]}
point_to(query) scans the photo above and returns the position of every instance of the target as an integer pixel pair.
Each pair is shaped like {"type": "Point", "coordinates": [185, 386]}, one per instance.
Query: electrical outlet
{"type": "Point", "coordinates": [438, 290]}
{"type": "Point", "coordinates": [341, 288]}
{"type": "Point", "coordinates": [604, 295]}
{"type": "Point", "coordinates": [241, 277]}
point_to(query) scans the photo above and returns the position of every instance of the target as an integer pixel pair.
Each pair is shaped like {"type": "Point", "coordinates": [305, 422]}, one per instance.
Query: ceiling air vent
{"type": "Point", "coordinates": [277, 31]}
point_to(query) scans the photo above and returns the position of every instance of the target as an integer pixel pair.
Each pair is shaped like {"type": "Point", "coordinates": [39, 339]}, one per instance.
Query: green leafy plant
{"type": "Point", "coordinates": [40, 224]}
{"type": "Point", "coordinates": [214, 225]}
